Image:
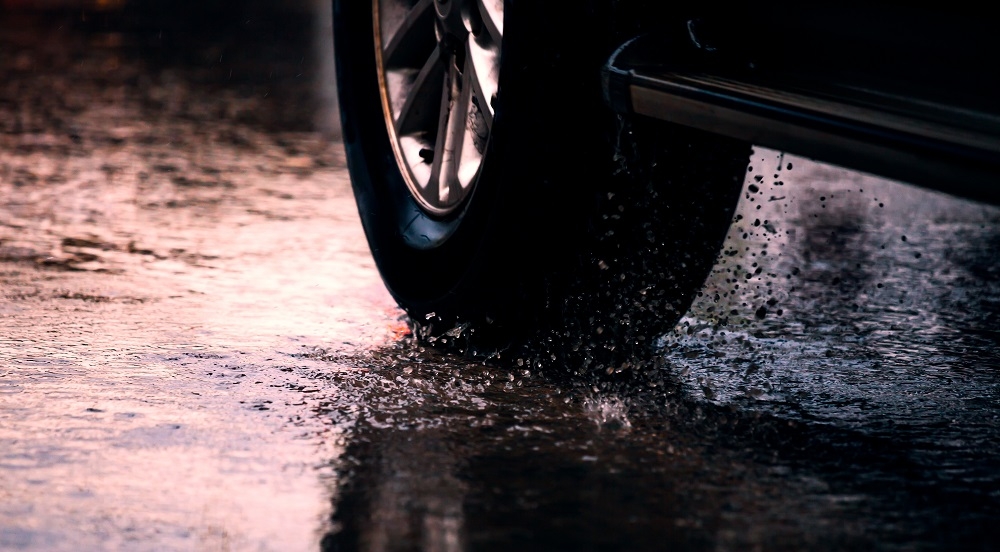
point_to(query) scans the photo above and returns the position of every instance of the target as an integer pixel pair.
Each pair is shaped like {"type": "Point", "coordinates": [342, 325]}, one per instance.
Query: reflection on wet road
{"type": "Point", "coordinates": [197, 353]}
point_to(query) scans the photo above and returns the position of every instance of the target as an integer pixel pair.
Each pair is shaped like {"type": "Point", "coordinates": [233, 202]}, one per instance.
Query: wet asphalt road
{"type": "Point", "coordinates": [196, 352]}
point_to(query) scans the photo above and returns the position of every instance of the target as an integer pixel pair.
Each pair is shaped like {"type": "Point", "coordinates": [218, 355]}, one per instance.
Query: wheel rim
{"type": "Point", "coordinates": [438, 68]}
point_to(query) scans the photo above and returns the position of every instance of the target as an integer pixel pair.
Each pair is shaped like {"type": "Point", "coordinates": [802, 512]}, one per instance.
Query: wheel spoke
{"type": "Point", "coordinates": [418, 109]}
{"type": "Point", "coordinates": [458, 125]}
{"type": "Point", "coordinates": [475, 122]}
{"type": "Point", "coordinates": [441, 169]}
{"type": "Point", "coordinates": [455, 148]}
{"type": "Point", "coordinates": [411, 38]}
{"type": "Point", "coordinates": [481, 68]}
{"type": "Point", "coordinates": [492, 14]}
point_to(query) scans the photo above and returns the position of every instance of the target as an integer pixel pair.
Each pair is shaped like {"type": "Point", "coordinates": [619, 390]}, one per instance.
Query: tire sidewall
{"type": "Point", "coordinates": [585, 234]}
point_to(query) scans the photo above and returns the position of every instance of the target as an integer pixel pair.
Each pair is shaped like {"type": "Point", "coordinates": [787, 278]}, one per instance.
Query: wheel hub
{"type": "Point", "coordinates": [438, 69]}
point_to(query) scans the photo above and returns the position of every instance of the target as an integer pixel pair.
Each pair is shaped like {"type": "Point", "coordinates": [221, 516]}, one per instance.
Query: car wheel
{"type": "Point", "coordinates": [503, 203]}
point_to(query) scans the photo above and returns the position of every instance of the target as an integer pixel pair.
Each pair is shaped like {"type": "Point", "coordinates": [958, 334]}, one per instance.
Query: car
{"type": "Point", "coordinates": [564, 172]}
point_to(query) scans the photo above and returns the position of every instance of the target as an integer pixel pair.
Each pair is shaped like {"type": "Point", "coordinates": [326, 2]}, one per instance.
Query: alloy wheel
{"type": "Point", "coordinates": [438, 69]}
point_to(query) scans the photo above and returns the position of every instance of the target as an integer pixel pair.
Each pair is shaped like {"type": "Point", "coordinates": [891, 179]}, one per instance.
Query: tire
{"type": "Point", "coordinates": [582, 234]}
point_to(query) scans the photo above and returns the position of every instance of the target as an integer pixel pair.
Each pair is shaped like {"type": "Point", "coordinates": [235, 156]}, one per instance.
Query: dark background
{"type": "Point", "coordinates": [277, 52]}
